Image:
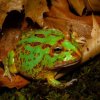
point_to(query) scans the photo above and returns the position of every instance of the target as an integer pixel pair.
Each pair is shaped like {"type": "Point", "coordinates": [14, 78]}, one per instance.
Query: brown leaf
{"type": "Point", "coordinates": [93, 5]}
{"type": "Point", "coordinates": [60, 9]}
{"type": "Point", "coordinates": [8, 41]}
{"type": "Point", "coordinates": [77, 5]}
{"type": "Point", "coordinates": [92, 46]}
{"type": "Point", "coordinates": [60, 17]}
{"type": "Point", "coordinates": [17, 81]}
{"type": "Point", "coordinates": [35, 10]}
{"type": "Point", "coordinates": [68, 25]}
{"type": "Point", "coordinates": [7, 6]}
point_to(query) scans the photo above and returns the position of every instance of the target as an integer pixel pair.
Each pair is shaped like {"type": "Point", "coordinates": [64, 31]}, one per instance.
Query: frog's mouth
{"type": "Point", "coordinates": [67, 64]}
{"type": "Point", "coordinates": [66, 67]}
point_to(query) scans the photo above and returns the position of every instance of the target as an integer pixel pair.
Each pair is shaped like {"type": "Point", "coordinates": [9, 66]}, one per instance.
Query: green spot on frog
{"type": "Point", "coordinates": [32, 59]}
{"type": "Point", "coordinates": [69, 45]}
{"type": "Point", "coordinates": [49, 38]}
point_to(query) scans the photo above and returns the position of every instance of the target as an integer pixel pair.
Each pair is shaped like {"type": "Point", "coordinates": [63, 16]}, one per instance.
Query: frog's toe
{"type": "Point", "coordinates": [61, 85]}
{"type": "Point", "coordinates": [7, 73]}
{"type": "Point", "coordinates": [56, 83]}
{"type": "Point", "coordinates": [70, 82]}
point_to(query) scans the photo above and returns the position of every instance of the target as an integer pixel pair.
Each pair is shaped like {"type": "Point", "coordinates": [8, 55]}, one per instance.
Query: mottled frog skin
{"type": "Point", "coordinates": [40, 53]}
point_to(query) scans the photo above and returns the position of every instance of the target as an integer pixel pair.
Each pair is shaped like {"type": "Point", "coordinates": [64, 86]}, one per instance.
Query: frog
{"type": "Point", "coordinates": [40, 54]}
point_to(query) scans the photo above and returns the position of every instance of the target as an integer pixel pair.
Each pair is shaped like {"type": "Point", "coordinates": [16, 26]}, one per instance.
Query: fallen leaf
{"type": "Point", "coordinates": [94, 4]}
{"type": "Point", "coordinates": [8, 41]}
{"type": "Point", "coordinates": [17, 81]}
{"type": "Point", "coordinates": [77, 5]}
{"type": "Point", "coordinates": [68, 25]}
{"type": "Point", "coordinates": [92, 46]}
{"type": "Point", "coordinates": [7, 6]}
{"type": "Point", "coordinates": [35, 9]}
{"type": "Point", "coordinates": [60, 9]}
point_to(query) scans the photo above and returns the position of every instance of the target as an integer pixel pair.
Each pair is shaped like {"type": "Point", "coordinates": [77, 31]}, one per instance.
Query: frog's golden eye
{"type": "Point", "coordinates": [57, 50]}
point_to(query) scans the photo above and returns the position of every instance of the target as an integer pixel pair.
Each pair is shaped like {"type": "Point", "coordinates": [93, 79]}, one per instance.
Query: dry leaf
{"type": "Point", "coordinates": [35, 10]}
{"type": "Point", "coordinates": [8, 41]}
{"type": "Point", "coordinates": [77, 5]}
{"type": "Point", "coordinates": [59, 9]}
{"type": "Point", "coordinates": [92, 46]}
{"type": "Point", "coordinates": [17, 81]}
{"type": "Point", "coordinates": [68, 25]}
{"type": "Point", "coordinates": [7, 6]}
{"type": "Point", "coordinates": [94, 4]}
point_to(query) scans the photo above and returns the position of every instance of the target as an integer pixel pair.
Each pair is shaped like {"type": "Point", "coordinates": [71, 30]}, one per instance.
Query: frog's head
{"type": "Point", "coordinates": [48, 48]}
{"type": "Point", "coordinates": [62, 52]}
{"type": "Point", "coordinates": [65, 53]}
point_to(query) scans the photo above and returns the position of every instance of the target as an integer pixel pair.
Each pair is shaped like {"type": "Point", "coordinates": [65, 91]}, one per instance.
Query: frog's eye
{"type": "Point", "coordinates": [57, 49]}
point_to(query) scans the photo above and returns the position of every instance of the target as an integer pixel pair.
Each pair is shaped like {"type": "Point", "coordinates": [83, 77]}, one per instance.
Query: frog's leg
{"type": "Point", "coordinates": [67, 83]}
{"type": "Point", "coordinates": [52, 81]}
{"type": "Point", "coordinates": [9, 65]}
{"type": "Point", "coordinates": [55, 83]}
{"type": "Point", "coordinates": [6, 69]}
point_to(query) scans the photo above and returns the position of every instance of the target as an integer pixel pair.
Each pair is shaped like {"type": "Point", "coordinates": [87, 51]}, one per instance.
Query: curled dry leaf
{"type": "Point", "coordinates": [17, 81]}
{"type": "Point", "coordinates": [77, 5]}
{"type": "Point", "coordinates": [60, 9]}
{"type": "Point", "coordinates": [60, 16]}
{"type": "Point", "coordinates": [35, 10]}
{"type": "Point", "coordinates": [90, 5]}
{"type": "Point", "coordinates": [93, 5]}
{"type": "Point", "coordinates": [7, 6]}
{"type": "Point", "coordinates": [92, 46]}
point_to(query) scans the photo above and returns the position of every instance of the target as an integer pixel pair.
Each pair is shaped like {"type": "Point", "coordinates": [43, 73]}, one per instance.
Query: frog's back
{"type": "Point", "coordinates": [32, 53]}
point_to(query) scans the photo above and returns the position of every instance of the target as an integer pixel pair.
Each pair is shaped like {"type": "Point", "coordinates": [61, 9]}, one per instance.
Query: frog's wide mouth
{"type": "Point", "coordinates": [67, 64]}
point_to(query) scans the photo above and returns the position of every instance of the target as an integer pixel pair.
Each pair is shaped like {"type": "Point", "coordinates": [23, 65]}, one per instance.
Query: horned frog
{"type": "Point", "coordinates": [39, 54]}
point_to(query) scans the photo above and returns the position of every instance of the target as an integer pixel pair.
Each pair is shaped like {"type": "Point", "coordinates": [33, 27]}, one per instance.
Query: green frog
{"type": "Point", "coordinates": [39, 54]}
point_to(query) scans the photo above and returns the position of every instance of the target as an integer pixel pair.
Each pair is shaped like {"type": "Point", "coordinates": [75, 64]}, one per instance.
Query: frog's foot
{"type": "Point", "coordinates": [52, 81]}
{"type": "Point", "coordinates": [7, 73]}
{"type": "Point", "coordinates": [55, 83]}
{"type": "Point", "coordinates": [70, 82]}
{"type": "Point", "coordinates": [58, 84]}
